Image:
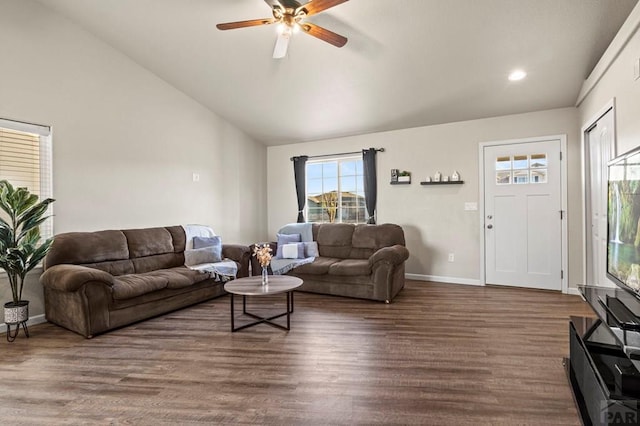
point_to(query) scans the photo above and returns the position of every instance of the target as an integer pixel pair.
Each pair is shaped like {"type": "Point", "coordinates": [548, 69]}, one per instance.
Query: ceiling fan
{"type": "Point", "coordinates": [291, 15]}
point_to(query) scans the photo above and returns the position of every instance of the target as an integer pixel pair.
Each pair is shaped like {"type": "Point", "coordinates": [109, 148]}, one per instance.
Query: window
{"type": "Point", "coordinates": [335, 191]}
{"type": "Point", "coordinates": [25, 160]}
{"type": "Point", "coordinates": [521, 169]}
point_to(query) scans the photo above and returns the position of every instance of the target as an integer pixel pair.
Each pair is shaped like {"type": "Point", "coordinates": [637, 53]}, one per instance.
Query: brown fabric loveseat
{"type": "Point", "coordinates": [98, 281]}
{"type": "Point", "coordinates": [361, 261]}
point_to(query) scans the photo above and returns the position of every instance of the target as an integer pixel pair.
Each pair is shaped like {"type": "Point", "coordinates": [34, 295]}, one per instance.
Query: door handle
{"type": "Point", "coordinates": [489, 226]}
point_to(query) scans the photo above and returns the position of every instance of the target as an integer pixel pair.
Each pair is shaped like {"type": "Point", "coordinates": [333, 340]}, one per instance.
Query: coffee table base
{"type": "Point", "coordinates": [262, 320]}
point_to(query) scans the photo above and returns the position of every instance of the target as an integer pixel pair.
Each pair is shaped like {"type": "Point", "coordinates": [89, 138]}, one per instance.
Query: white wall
{"type": "Point", "coordinates": [434, 218]}
{"type": "Point", "coordinates": [125, 143]}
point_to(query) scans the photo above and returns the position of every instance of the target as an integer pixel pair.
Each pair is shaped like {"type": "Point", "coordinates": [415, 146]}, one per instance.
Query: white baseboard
{"type": "Point", "coordinates": [465, 281]}
{"type": "Point", "coordinates": [438, 279]}
{"type": "Point", "coordinates": [38, 319]}
{"type": "Point", "coordinates": [574, 291]}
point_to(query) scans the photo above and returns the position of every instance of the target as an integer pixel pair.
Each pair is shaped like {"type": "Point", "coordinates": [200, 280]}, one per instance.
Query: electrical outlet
{"type": "Point", "coordinates": [452, 257]}
{"type": "Point", "coordinates": [470, 206]}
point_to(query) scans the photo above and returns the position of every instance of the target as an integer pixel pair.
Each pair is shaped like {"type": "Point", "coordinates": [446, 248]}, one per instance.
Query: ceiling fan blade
{"type": "Point", "coordinates": [282, 44]}
{"type": "Point", "coordinates": [324, 34]}
{"type": "Point", "coordinates": [244, 24]}
{"type": "Point", "coordinates": [317, 6]}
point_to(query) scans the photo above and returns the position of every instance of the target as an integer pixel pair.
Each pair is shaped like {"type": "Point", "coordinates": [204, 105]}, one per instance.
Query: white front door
{"type": "Point", "coordinates": [522, 214]}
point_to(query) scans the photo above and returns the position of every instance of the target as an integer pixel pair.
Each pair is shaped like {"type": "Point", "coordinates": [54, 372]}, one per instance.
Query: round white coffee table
{"type": "Point", "coordinates": [252, 286]}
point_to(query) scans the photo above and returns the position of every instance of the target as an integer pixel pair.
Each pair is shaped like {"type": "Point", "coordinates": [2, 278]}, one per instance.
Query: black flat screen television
{"type": "Point", "coordinates": [623, 221]}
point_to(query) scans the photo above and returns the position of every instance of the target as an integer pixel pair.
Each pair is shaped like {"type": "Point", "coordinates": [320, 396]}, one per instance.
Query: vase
{"type": "Point", "coordinates": [16, 314]}
{"type": "Point", "coordinates": [265, 275]}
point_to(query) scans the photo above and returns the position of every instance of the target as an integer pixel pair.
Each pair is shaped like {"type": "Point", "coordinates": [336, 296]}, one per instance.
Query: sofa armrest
{"type": "Point", "coordinates": [394, 255]}
{"type": "Point", "coordinates": [235, 252]}
{"type": "Point", "coordinates": [240, 254]}
{"type": "Point", "coordinates": [65, 277]}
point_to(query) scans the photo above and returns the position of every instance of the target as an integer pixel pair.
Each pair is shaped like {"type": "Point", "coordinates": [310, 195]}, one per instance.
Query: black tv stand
{"type": "Point", "coordinates": [603, 367]}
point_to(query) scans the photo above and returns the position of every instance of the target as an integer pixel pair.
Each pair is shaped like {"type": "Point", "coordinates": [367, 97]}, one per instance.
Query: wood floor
{"type": "Point", "coordinates": [440, 354]}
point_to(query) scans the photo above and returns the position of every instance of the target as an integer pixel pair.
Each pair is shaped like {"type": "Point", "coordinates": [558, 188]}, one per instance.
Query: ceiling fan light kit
{"type": "Point", "coordinates": [290, 16]}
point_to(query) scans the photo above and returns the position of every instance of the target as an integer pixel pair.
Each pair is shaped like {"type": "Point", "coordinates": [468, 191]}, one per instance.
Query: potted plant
{"type": "Point", "coordinates": [404, 176]}
{"type": "Point", "coordinates": [20, 247]}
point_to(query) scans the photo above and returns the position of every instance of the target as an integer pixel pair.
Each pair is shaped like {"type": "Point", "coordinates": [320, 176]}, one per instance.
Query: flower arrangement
{"type": "Point", "coordinates": [263, 252]}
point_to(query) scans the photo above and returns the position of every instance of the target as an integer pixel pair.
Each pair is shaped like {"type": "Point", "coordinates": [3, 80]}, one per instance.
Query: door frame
{"type": "Point", "coordinates": [563, 196]}
{"type": "Point", "coordinates": [586, 194]}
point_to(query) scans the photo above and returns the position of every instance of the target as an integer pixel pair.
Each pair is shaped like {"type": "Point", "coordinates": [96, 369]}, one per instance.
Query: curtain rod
{"type": "Point", "coordinates": [341, 153]}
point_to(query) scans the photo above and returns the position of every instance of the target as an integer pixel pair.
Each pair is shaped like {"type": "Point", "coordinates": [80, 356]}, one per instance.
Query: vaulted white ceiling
{"type": "Point", "coordinates": [407, 63]}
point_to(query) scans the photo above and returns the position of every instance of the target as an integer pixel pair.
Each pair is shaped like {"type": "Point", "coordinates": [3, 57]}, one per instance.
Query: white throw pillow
{"type": "Point", "coordinates": [290, 251]}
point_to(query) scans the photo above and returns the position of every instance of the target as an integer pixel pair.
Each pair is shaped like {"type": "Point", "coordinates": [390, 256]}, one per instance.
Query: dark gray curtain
{"type": "Point", "coordinates": [299, 172]}
{"type": "Point", "coordinates": [370, 182]}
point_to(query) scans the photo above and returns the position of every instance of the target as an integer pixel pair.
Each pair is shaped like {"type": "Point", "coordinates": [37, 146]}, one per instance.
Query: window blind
{"type": "Point", "coordinates": [25, 161]}
{"type": "Point", "coordinates": [20, 159]}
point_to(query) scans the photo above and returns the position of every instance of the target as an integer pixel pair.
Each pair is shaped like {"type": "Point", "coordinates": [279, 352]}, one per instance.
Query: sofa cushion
{"type": "Point", "coordinates": [134, 285]}
{"type": "Point", "coordinates": [149, 241]}
{"type": "Point", "coordinates": [367, 239]}
{"type": "Point", "coordinates": [319, 266]}
{"type": "Point", "coordinates": [159, 261]}
{"type": "Point", "coordinates": [117, 267]}
{"type": "Point", "coordinates": [350, 267]}
{"type": "Point", "coordinates": [179, 238]}
{"type": "Point", "coordinates": [181, 277]}
{"type": "Point", "coordinates": [87, 247]}
{"type": "Point", "coordinates": [334, 240]}
{"type": "Point", "coordinates": [128, 286]}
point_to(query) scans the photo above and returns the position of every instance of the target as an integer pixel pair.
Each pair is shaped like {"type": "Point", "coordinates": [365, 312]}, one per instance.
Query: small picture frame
{"type": "Point", "coordinates": [394, 175]}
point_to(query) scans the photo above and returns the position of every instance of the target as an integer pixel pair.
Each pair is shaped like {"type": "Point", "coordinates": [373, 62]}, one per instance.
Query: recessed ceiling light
{"type": "Point", "coordinates": [517, 75]}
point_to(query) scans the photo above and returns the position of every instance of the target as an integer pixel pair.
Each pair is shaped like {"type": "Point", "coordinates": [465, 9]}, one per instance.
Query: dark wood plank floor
{"type": "Point", "coordinates": [440, 354]}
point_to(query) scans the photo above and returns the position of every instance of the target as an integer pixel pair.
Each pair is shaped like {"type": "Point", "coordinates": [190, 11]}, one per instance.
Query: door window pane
{"type": "Point", "coordinates": [503, 178]}
{"type": "Point", "coordinates": [521, 176]}
{"type": "Point", "coordinates": [538, 161]}
{"type": "Point", "coordinates": [503, 163]}
{"type": "Point", "coordinates": [539, 176]}
{"type": "Point", "coordinates": [520, 162]}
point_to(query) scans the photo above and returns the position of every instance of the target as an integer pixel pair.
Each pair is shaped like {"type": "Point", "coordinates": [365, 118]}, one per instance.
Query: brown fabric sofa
{"type": "Point", "coordinates": [98, 281]}
{"type": "Point", "coordinates": [361, 261]}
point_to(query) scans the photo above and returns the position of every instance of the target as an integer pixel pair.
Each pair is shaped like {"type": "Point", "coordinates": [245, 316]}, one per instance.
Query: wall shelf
{"type": "Point", "coordinates": [400, 183]}
{"type": "Point", "coordinates": [455, 182]}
